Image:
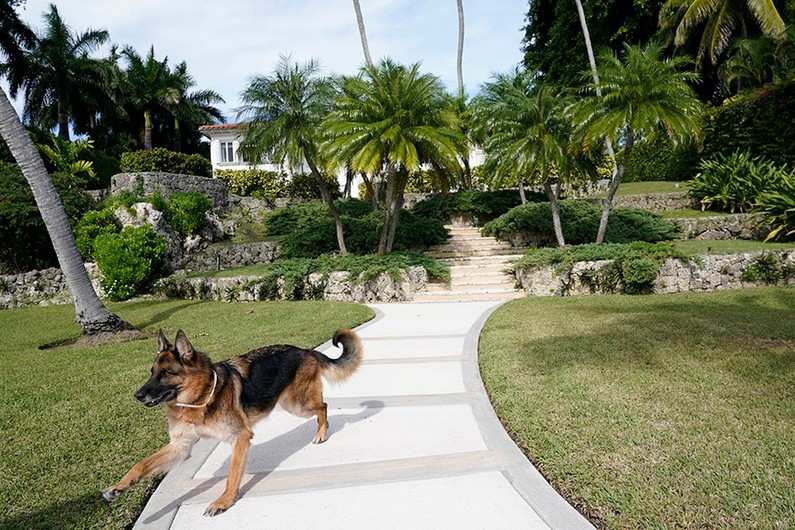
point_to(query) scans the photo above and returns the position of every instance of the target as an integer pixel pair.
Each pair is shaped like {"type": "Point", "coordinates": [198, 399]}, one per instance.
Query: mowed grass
{"type": "Point", "coordinates": [69, 423]}
{"type": "Point", "coordinates": [664, 411]}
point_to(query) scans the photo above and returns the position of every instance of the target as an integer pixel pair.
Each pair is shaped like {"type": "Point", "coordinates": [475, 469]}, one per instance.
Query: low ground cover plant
{"type": "Point", "coordinates": [580, 222]}
{"type": "Point", "coordinates": [644, 412]}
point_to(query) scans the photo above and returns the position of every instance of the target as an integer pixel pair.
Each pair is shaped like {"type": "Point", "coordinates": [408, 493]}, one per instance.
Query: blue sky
{"type": "Point", "coordinates": [225, 42]}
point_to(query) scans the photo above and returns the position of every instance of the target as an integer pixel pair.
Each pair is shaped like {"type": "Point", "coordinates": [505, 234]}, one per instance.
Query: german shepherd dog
{"type": "Point", "coordinates": [224, 400]}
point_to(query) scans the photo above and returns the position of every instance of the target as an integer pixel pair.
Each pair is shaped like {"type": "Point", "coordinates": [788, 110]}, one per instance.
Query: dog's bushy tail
{"type": "Point", "coordinates": [341, 368]}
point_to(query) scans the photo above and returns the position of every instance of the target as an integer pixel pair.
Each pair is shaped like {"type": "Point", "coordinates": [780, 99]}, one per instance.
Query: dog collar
{"type": "Point", "coordinates": [188, 406]}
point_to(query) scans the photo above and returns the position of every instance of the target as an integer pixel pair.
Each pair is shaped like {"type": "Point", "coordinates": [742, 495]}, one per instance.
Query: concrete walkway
{"type": "Point", "coordinates": [414, 443]}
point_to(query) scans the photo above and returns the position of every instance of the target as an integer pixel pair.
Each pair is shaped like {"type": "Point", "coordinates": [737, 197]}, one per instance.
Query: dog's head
{"type": "Point", "coordinates": [170, 371]}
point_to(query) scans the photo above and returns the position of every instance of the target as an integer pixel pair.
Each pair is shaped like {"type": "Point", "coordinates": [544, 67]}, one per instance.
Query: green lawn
{"type": "Point", "coordinates": [644, 188]}
{"type": "Point", "coordinates": [69, 423]}
{"type": "Point", "coordinates": [662, 411]}
{"type": "Point", "coordinates": [693, 247]}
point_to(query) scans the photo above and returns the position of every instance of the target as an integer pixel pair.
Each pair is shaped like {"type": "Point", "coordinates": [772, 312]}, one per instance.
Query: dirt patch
{"type": "Point", "coordinates": [99, 339]}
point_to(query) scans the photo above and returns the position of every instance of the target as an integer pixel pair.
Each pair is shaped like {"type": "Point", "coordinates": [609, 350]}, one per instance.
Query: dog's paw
{"type": "Point", "coordinates": [319, 438]}
{"type": "Point", "coordinates": [217, 507]}
{"type": "Point", "coordinates": [111, 493]}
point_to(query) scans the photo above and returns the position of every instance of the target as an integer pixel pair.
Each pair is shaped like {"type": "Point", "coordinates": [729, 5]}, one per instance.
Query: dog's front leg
{"type": "Point", "coordinates": [158, 462]}
{"type": "Point", "coordinates": [236, 467]}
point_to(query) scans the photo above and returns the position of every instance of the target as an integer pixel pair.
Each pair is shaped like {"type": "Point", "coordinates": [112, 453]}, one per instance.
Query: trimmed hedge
{"type": "Point", "coordinates": [580, 223]}
{"type": "Point", "coordinates": [654, 161]}
{"type": "Point", "coordinates": [160, 159]}
{"type": "Point", "coordinates": [759, 122]}
{"type": "Point", "coordinates": [486, 205]}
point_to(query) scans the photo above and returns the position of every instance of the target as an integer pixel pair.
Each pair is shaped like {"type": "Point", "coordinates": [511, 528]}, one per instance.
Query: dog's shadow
{"type": "Point", "coordinates": [270, 454]}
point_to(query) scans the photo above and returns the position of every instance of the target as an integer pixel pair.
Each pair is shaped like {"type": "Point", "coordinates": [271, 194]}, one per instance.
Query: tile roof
{"type": "Point", "coordinates": [220, 127]}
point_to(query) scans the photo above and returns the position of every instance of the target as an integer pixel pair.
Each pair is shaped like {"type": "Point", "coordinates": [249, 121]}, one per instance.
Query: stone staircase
{"type": "Point", "coordinates": [476, 268]}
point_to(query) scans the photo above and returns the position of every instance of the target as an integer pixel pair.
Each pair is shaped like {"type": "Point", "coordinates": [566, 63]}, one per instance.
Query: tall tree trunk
{"type": "Point", "coordinates": [91, 315]}
{"type": "Point", "coordinates": [611, 192]}
{"type": "Point", "coordinates": [553, 195]}
{"type": "Point", "coordinates": [397, 207]}
{"type": "Point", "coordinates": [369, 184]}
{"type": "Point", "coordinates": [63, 123]}
{"type": "Point", "coordinates": [177, 136]}
{"type": "Point", "coordinates": [362, 32]}
{"type": "Point", "coordinates": [147, 130]}
{"type": "Point", "coordinates": [594, 71]}
{"type": "Point", "coordinates": [389, 201]}
{"type": "Point", "coordinates": [329, 200]}
{"type": "Point", "coordinates": [460, 54]}
{"type": "Point", "coordinates": [521, 191]}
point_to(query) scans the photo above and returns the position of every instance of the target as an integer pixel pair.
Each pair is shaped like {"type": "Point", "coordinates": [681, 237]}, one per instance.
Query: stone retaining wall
{"type": "Point", "coordinates": [44, 287]}
{"type": "Point", "coordinates": [230, 256]}
{"type": "Point", "coordinates": [734, 226]}
{"type": "Point", "coordinates": [147, 183]}
{"type": "Point", "coordinates": [336, 286]}
{"type": "Point", "coordinates": [656, 202]}
{"type": "Point", "coordinates": [708, 273]}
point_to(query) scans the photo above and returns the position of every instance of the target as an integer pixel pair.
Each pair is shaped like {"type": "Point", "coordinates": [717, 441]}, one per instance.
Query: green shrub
{"type": "Point", "coordinates": [580, 223]}
{"type": "Point", "coordinates": [24, 241]}
{"type": "Point", "coordinates": [105, 166]}
{"type": "Point", "coordinates": [93, 224]}
{"type": "Point", "coordinates": [254, 182]}
{"type": "Point", "coordinates": [161, 159]}
{"type": "Point", "coordinates": [777, 204]}
{"type": "Point", "coordinates": [758, 122]}
{"type": "Point", "coordinates": [653, 161]}
{"type": "Point", "coordinates": [767, 268]}
{"type": "Point", "coordinates": [186, 211]}
{"type": "Point", "coordinates": [634, 266]}
{"type": "Point", "coordinates": [485, 205]}
{"type": "Point", "coordinates": [362, 235]}
{"type": "Point", "coordinates": [303, 186]}
{"type": "Point", "coordinates": [129, 261]}
{"type": "Point", "coordinates": [294, 217]}
{"type": "Point", "coordinates": [733, 182]}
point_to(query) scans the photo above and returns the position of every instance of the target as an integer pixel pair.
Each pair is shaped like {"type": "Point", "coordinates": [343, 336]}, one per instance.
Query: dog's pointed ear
{"type": "Point", "coordinates": [162, 342]}
{"type": "Point", "coordinates": [184, 347]}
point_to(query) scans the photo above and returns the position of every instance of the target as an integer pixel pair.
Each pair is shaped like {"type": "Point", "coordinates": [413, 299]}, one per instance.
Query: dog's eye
{"type": "Point", "coordinates": [165, 373]}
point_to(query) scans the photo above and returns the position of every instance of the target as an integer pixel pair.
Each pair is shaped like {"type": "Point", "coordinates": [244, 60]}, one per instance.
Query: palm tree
{"type": "Point", "coordinates": [642, 95]}
{"type": "Point", "coordinates": [286, 109]}
{"type": "Point", "coordinates": [149, 86]}
{"type": "Point", "coordinates": [193, 108]}
{"type": "Point", "coordinates": [57, 72]}
{"type": "Point", "coordinates": [362, 33]}
{"type": "Point", "coordinates": [92, 316]}
{"type": "Point", "coordinates": [527, 133]}
{"type": "Point", "coordinates": [721, 19]}
{"type": "Point", "coordinates": [15, 38]}
{"type": "Point", "coordinates": [394, 119]}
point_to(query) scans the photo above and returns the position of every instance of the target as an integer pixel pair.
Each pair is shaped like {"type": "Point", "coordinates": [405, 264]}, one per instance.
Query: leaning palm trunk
{"type": "Point", "coordinates": [611, 192]}
{"type": "Point", "coordinates": [608, 202]}
{"type": "Point", "coordinates": [92, 316]}
{"type": "Point", "coordinates": [362, 33]}
{"type": "Point", "coordinates": [460, 51]}
{"type": "Point", "coordinates": [325, 194]}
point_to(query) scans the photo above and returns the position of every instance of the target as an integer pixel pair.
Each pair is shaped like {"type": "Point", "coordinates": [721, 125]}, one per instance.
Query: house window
{"type": "Point", "coordinates": [227, 152]}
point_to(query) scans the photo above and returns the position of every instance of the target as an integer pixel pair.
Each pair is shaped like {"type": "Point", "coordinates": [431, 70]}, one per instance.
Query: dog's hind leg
{"type": "Point", "coordinates": [163, 460]}
{"type": "Point", "coordinates": [236, 467]}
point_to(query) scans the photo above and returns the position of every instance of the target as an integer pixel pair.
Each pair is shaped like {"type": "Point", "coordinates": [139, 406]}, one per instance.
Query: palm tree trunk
{"type": "Point", "coordinates": [552, 195]}
{"type": "Point", "coordinates": [177, 136]}
{"type": "Point", "coordinates": [607, 204]}
{"type": "Point", "coordinates": [329, 200]}
{"type": "Point", "coordinates": [389, 201]}
{"type": "Point", "coordinates": [91, 315]}
{"type": "Point", "coordinates": [460, 54]}
{"type": "Point", "coordinates": [63, 123]}
{"type": "Point", "coordinates": [594, 72]}
{"type": "Point", "coordinates": [521, 191]}
{"type": "Point", "coordinates": [362, 32]}
{"type": "Point", "coordinates": [147, 130]}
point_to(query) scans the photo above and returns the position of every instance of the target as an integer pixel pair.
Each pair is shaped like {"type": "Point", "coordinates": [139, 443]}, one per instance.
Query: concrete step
{"type": "Point", "coordinates": [462, 296]}
{"type": "Point", "coordinates": [487, 260]}
{"type": "Point", "coordinates": [480, 284]}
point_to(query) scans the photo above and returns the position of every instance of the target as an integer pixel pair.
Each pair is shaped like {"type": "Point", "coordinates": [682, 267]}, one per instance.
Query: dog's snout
{"type": "Point", "coordinates": [141, 394]}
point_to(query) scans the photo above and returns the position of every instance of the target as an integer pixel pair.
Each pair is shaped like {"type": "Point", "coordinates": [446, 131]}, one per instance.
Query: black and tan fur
{"type": "Point", "coordinates": [246, 389]}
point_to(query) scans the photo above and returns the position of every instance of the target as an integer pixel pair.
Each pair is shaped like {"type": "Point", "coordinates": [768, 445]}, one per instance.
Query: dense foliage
{"type": "Point", "coordinates": [186, 212]}
{"type": "Point", "coordinates": [485, 205]}
{"type": "Point", "coordinates": [93, 224]}
{"type": "Point", "coordinates": [161, 159]}
{"type": "Point", "coordinates": [655, 160]}
{"type": "Point", "coordinates": [580, 223]}
{"type": "Point", "coordinates": [129, 261]}
{"type": "Point", "coordinates": [759, 122]}
{"type": "Point", "coordinates": [24, 241]}
{"type": "Point", "coordinates": [733, 183]}
{"type": "Point", "coordinates": [633, 266]}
